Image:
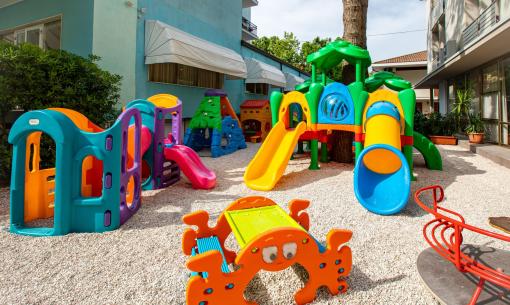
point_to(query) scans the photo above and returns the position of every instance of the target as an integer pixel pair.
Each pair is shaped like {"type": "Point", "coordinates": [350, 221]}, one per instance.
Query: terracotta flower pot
{"type": "Point", "coordinates": [475, 138]}
{"type": "Point", "coordinates": [443, 140]}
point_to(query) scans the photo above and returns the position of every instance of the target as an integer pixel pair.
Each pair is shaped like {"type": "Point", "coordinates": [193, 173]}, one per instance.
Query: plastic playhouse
{"type": "Point", "coordinates": [215, 125]}
{"type": "Point", "coordinates": [255, 120]}
{"type": "Point", "coordinates": [94, 186]}
{"type": "Point", "coordinates": [381, 119]}
{"type": "Point", "coordinates": [270, 240]}
{"type": "Point", "coordinates": [454, 271]}
{"type": "Point", "coordinates": [97, 180]}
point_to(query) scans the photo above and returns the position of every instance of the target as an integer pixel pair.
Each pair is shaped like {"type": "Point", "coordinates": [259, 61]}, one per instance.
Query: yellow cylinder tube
{"type": "Point", "coordinates": [382, 129]}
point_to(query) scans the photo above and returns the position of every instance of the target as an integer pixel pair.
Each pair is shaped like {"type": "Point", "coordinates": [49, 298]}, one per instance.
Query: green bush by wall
{"type": "Point", "coordinates": [32, 78]}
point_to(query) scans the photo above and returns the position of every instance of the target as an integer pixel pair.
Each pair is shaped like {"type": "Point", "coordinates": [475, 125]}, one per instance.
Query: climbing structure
{"type": "Point", "coordinates": [98, 176]}
{"type": "Point", "coordinates": [94, 186]}
{"type": "Point", "coordinates": [166, 157]}
{"type": "Point", "coordinates": [270, 240]}
{"type": "Point", "coordinates": [156, 171]}
{"type": "Point", "coordinates": [381, 119]}
{"type": "Point", "coordinates": [215, 125]}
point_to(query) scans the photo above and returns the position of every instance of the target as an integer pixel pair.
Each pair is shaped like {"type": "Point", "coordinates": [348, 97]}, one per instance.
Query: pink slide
{"type": "Point", "coordinates": [200, 176]}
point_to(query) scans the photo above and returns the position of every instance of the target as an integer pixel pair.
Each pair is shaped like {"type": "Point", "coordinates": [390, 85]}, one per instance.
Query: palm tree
{"type": "Point", "coordinates": [355, 32]}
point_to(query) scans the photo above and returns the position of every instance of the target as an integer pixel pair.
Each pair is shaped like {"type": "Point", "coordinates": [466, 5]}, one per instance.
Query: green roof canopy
{"type": "Point", "coordinates": [303, 87]}
{"type": "Point", "coordinates": [392, 81]}
{"type": "Point", "coordinates": [335, 52]}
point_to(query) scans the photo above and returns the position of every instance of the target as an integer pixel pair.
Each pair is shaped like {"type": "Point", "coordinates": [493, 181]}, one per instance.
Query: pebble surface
{"type": "Point", "coordinates": [142, 262]}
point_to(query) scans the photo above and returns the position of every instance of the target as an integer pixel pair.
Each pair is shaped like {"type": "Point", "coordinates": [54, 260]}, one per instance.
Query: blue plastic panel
{"type": "Point", "coordinates": [336, 105]}
{"type": "Point", "coordinates": [209, 244]}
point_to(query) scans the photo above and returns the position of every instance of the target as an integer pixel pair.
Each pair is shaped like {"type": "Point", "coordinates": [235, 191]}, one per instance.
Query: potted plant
{"type": "Point", "coordinates": [475, 129]}
{"type": "Point", "coordinates": [441, 129]}
{"type": "Point", "coordinates": [462, 106]}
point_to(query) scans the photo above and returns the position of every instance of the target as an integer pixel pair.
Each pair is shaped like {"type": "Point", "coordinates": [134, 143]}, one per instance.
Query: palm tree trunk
{"type": "Point", "coordinates": [355, 32]}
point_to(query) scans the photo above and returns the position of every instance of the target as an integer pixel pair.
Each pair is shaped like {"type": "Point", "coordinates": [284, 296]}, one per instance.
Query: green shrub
{"type": "Point", "coordinates": [435, 124]}
{"type": "Point", "coordinates": [32, 78]}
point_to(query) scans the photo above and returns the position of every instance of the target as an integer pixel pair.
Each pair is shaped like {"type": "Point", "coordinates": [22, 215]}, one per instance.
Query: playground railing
{"type": "Point", "coordinates": [445, 235]}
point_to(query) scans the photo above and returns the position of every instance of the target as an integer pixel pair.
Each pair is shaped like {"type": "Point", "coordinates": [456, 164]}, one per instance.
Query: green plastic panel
{"type": "Point", "coordinates": [337, 51]}
{"type": "Point", "coordinates": [249, 223]}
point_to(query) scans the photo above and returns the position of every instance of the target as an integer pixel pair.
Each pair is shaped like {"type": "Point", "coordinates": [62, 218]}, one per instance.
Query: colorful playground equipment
{"type": "Point", "coordinates": [270, 240]}
{"type": "Point", "coordinates": [95, 185]}
{"type": "Point", "coordinates": [255, 120]}
{"type": "Point", "coordinates": [166, 157]}
{"type": "Point", "coordinates": [381, 119]}
{"type": "Point", "coordinates": [455, 272]}
{"type": "Point", "coordinates": [98, 176]}
{"type": "Point", "coordinates": [215, 125]}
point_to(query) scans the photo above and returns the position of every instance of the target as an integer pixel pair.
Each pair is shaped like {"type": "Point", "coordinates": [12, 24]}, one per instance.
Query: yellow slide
{"type": "Point", "coordinates": [268, 165]}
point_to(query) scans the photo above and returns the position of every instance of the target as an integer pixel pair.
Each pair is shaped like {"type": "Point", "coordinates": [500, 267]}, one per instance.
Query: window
{"type": "Point", "coordinates": [172, 73]}
{"type": "Point", "coordinates": [45, 35]}
{"type": "Point", "coordinates": [257, 88]}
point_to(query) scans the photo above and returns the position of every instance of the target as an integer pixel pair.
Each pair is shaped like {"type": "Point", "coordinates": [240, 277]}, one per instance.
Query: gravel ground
{"type": "Point", "coordinates": [142, 261]}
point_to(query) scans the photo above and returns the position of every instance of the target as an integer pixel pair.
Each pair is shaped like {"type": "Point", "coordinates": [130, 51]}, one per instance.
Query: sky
{"type": "Point", "coordinates": [310, 18]}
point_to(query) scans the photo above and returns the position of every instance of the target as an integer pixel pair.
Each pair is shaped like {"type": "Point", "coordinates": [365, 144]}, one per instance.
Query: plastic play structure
{"type": "Point", "coordinates": [381, 119]}
{"type": "Point", "coordinates": [269, 240]}
{"type": "Point", "coordinates": [215, 125]}
{"type": "Point", "coordinates": [255, 120]}
{"type": "Point", "coordinates": [456, 272]}
{"type": "Point", "coordinates": [97, 180]}
{"type": "Point", "coordinates": [166, 156]}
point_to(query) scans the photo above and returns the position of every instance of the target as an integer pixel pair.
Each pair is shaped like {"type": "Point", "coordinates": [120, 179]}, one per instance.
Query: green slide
{"type": "Point", "coordinates": [429, 151]}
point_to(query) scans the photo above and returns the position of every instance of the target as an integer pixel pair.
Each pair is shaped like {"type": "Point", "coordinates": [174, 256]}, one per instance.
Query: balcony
{"type": "Point", "coordinates": [249, 30]}
{"type": "Point", "coordinates": [486, 20]}
{"type": "Point", "coordinates": [250, 3]}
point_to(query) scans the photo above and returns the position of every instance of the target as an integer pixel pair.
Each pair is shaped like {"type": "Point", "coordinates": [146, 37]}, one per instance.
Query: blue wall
{"type": "Point", "coordinates": [219, 23]}
{"type": "Point", "coordinates": [77, 20]}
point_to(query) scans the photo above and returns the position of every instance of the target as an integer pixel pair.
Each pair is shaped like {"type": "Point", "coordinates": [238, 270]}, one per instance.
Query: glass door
{"type": "Point", "coordinates": [490, 102]}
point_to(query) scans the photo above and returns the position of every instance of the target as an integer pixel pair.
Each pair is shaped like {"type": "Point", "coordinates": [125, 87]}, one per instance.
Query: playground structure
{"type": "Point", "coordinates": [94, 186]}
{"type": "Point", "coordinates": [255, 120]}
{"type": "Point", "coordinates": [215, 125]}
{"type": "Point", "coordinates": [97, 180]}
{"type": "Point", "coordinates": [456, 272]}
{"type": "Point", "coordinates": [269, 240]}
{"type": "Point", "coordinates": [381, 119]}
{"type": "Point", "coordinates": [166, 157]}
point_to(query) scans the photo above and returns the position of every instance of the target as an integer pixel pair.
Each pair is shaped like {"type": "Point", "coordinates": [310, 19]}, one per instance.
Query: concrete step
{"type": "Point", "coordinates": [496, 153]}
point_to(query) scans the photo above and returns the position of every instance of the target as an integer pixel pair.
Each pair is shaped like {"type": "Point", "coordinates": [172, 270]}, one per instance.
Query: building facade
{"type": "Point", "coordinates": [468, 49]}
{"type": "Point", "coordinates": [118, 31]}
{"type": "Point", "coordinates": [412, 67]}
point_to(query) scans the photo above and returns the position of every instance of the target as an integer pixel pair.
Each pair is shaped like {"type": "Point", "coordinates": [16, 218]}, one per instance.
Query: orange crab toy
{"type": "Point", "coordinates": [270, 240]}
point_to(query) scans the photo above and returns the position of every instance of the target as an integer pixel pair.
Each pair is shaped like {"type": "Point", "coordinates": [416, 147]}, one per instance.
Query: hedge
{"type": "Point", "coordinates": [32, 78]}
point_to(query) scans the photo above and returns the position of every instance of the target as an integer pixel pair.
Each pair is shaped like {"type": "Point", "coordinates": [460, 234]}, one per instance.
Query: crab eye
{"type": "Point", "coordinates": [269, 254]}
{"type": "Point", "coordinates": [289, 250]}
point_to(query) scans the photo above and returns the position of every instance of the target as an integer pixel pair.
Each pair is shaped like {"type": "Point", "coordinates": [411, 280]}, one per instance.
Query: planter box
{"type": "Point", "coordinates": [444, 140]}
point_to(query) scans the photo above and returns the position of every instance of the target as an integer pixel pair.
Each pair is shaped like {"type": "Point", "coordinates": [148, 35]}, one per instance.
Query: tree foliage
{"type": "Point", "coordinates": [291, 50]}
{"type": "Point", "coordinates": [32, 78]}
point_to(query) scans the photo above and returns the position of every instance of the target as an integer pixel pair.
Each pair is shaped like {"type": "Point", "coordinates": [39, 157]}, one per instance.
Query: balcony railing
{"type": "Point", "coordinates": [488, 18]}
{"type": "Point", "coordinates": [249, 27]}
